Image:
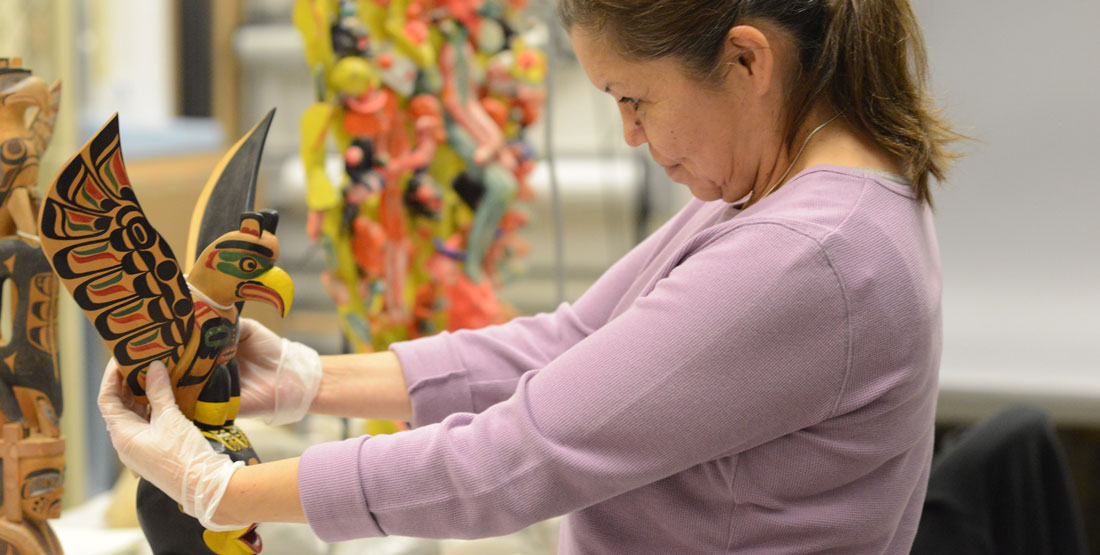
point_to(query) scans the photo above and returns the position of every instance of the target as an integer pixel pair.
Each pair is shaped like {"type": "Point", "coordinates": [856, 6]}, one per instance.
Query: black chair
{"type": "Point", "coordinates": [1002, 489]}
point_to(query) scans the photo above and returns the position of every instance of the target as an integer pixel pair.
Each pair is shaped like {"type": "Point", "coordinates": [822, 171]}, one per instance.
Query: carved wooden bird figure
{"type": "Point", "coordinates": [124, 276]}
{"type": "Point", "coordinates": [28, 111]}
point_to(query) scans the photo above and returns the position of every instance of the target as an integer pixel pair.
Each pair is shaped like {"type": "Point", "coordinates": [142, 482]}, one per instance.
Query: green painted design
{"type": "Point", "coordinates": [75, 226]}
{"type": "Point", "coordinates": [218, 336]}
{"type": "Point", "coordinates": [229, 262]}
{"type": "Point", "coordinates": [112, 281]}
{"type": "Point", "coordinates": [93, 250]}
{"type": "Point", "coordinates": [110, 175]}
{"type": "Point", "coordinates": [127, 311]}
{"type": "Point", "coordinates": [147, 339]}
{"type": "Point", "coordinates": [88, 198]}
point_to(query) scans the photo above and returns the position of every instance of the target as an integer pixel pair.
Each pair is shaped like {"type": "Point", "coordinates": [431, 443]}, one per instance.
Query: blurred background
{"type": "Point", "coordinates": [1018, 220]}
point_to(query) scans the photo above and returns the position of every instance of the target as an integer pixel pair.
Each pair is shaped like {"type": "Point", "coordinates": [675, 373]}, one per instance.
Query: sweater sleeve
{"type": "Point", "coordinates": [470, 370]}
{"type": "Point", "coordinates": [743, 342]}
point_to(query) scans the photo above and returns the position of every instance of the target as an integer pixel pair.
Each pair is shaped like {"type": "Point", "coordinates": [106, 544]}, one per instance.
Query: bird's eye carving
{"type": "Point", "coordinates": [249, 264]}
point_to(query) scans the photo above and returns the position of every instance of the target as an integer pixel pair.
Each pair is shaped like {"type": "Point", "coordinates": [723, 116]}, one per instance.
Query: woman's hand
{"type": "Point", "coordinates": [164, 447]}
{"type": "Point", "coordinates": [279, 378]}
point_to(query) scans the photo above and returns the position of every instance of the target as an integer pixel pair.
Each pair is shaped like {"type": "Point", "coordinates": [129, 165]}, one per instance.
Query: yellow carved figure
{"type": "Point", "coordinates": [427, 102]}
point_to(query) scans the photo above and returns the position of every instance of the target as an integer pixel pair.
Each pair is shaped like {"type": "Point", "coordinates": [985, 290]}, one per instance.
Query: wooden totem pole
{"type": "Point", "coordinates": [124, 276]}
{"type": "Point", "coordinates": [32, 451]}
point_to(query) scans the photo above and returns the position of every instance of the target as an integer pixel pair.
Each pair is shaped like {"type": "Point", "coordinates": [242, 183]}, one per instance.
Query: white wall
{"type": "Point", "coordinates": [1019, 220]}
{"type": "Point", "coordinates": [132, 61]}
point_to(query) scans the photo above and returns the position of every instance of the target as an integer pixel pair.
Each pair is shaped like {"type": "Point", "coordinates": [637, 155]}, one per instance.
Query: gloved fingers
{"type": "Point", "coordinates": [255, 340]}
{"type": "Point", "coordinates": [168, 451]}
{"type": "Point", "coordinates": [129, 401]}
{"type": "Point", "coordinates": [123, 425]}
{"type": "Point", "coordinates": [299, 377]}
{"type": "Point", "coordinates": [162, 401]}
{"type": "Point", "coordinates": [247, 327]}
{"type": "Point", "coordinates": [114, 380]}
{"type": "Point", "coordinates": [252, 403]}
{"type": "Point", "coordinates": [111, 399]}
{"type": "Point", "coordinates": [258, 353]}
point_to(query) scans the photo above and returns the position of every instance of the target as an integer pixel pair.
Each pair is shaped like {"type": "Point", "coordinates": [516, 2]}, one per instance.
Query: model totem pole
{"type": "Point", "coordinates": [32, 450]}
{"type": "Point", "coordinates": [427, 101]}
{"type": "Point", "coordinates": [124, 276]}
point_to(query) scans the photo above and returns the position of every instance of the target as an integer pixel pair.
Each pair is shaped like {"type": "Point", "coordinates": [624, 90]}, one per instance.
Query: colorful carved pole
{"type": "Point", "coordinates": [32, 450]}
{"type": "Point", "coordinates": [126, 279]}
{"type": "Point", "coordinates": [428, 101]}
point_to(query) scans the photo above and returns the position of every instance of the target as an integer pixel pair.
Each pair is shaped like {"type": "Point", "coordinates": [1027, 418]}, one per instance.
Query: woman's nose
{"type": "Point", "coordinates": [633, 132]}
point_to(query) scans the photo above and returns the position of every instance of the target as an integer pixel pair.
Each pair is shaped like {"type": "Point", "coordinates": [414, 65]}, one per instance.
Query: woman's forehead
{"type": "Point", "coordinates": [607, 69]}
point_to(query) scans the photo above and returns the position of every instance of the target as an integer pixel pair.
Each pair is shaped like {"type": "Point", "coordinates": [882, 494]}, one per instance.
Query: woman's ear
{"type": "Point", "coordinates": [749, 55]}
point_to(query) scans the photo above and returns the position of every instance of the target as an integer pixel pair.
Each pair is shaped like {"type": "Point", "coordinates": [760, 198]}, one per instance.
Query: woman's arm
{"type": "Point", "coordinates": [424, 380]}
{"type": "Point", "coordinates": [718, 358]}
{"type": "Point", "coordinates": [471, 370]}
{"type": "Point", "coordinates": [251, 497]}
{"type": "Point", "coordinates": [368, 385]}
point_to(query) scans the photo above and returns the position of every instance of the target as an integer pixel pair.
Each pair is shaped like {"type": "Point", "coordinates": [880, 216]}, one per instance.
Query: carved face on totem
{"type": "Point", "coordinates": [43, 484]}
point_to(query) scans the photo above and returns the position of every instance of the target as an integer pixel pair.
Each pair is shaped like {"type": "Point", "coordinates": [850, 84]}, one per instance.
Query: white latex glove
{"type": "Point", "coordinates": [167, 450]}
{"type": "Point", "coordinates": [279, 377]}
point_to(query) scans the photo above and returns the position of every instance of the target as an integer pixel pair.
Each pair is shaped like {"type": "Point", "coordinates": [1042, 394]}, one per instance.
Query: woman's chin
{"type": "Point", "coordinates": [702, 189]}
{"type": "Point", "coordinates": [704, 192]}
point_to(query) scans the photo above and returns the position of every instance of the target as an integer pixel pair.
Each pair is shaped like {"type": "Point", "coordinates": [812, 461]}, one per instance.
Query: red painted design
{"type": "Point", "coordinates": [261, 293]}
{"type": "Point", "coordinates": [130, 318]}
{"type": "Point", "coordinates": [150, 347]}
{"type": "Point", "coordinates": [83, 259]}
{"type": "Point", "coordinates": [119, 169]}
{"type": "Point", "coordinates": [93, 190]}
{"type": "Point", "coordinates": [108, 291]}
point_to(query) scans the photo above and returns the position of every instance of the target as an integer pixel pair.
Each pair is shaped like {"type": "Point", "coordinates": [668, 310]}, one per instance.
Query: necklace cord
{"type": "Point", "coordinates": [794, 161]}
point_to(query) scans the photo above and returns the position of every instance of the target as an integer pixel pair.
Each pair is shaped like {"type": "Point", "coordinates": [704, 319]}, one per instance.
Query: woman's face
{"type": "Point", "coordinates": [710, 139]}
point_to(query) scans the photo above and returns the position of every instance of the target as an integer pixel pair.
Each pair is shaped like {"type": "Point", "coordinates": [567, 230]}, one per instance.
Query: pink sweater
{"type": "Point", "coordinates": [761, 381]}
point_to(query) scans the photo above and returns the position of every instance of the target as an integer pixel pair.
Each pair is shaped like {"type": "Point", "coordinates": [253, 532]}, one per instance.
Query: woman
{"type": "Point", "coordinates": [759, 375]}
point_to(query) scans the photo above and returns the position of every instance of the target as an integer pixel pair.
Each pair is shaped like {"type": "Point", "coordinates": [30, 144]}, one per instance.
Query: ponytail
{"type": "Point", "coordinates": [866, 58]}
{"type": "Point", "coordinates": [873, 69]}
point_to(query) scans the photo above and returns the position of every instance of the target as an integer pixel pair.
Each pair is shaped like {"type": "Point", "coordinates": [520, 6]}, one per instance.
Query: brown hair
{"type": "Point", "coordinates": [865, 57]}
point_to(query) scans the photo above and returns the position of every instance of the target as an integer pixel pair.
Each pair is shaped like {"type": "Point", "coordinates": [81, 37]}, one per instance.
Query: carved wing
{"type": "Point", "coordinates": [230, 191]}
{"type": "Point", "coordinates": [118, 268]}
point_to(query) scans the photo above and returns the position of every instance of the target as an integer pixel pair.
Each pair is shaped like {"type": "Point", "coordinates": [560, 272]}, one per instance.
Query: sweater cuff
{"type": "Point", "coordinates": [436, 376]}
{"type": "Point", "coordinates": [332, 496]}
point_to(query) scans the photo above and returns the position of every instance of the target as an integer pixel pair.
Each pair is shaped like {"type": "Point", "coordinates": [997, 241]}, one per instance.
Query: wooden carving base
{"type": "Point", "coordinates": [22, 460]}
{"type": "Point", "coordinates": [28, 538]}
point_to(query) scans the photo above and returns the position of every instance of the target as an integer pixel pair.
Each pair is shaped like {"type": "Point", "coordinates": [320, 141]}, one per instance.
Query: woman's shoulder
{"type": "Point", "coordinates": [849, 221]}
{"type": "Point", "coordinates": [826, 201]}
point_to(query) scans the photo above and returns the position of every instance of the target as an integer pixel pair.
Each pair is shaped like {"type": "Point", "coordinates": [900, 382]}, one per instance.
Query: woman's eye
{"type": "Point", "coordinates": [633, 102]}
